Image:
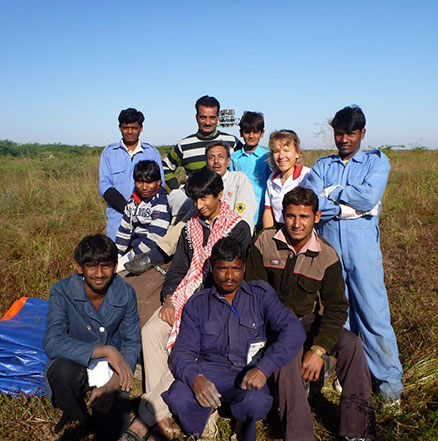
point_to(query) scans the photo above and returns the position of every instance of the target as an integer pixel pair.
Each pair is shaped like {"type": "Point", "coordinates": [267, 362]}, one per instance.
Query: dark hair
{"type": "Point", "coordinates": [223, 144]}
{"type": "Point", "coordinates": [97, 248]}
{"type": "Point", "coordinates": [203, 182]}
{"type": "Point", "coordinates": [252, 121]}
{"type": "Point", "coordinates": [129, 116]}
{"type": "Point", "coordinates": [349, 119]}
{"type": "Point", "coordinates": [227, 249]}
{"type": "Point", "coordinates": [207, 101]}
{"type": "Point", "coordinates": [147, 171]}
{"type": "Point", "coordinates": [301, 196]}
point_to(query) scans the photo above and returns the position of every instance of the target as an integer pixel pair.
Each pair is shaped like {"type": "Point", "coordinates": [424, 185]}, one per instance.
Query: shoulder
{"type": "Point", "coordinates": [326, 159]}
{"type": "Point", "coordinates": [110, 148]}
{"type": "Point", "coordinates": [327, 254]}
{"type": "Point", "coordinates": [264, 240]}
{"type": "Point", "coordinates": [239, 176]}
{"type": "Point", "coordinates": [189, 139]}
{"type": "Point", "coordinates": [161, 193]}
{"type": "Point", "coordinates": [147, 146]}
{"type": "Point", "coordinates": [260, 287]}
{"type": "Point", "coordinates": [198, 299]}
{"type": "Point", "coordinates": [121, 292]}
{"type": "Point", "coordinates": [376, 155]}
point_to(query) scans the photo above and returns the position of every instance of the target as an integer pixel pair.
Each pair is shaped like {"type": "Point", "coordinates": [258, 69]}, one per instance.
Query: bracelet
{"type": "Point", "coordinates": [319, 352]}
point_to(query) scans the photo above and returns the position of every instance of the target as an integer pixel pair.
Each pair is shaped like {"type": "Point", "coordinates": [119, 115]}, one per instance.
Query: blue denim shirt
{"type": "Point", "coordinates": [74, 328]}
{"type": "Point", "coordinates": [116, 171]}
{"type": "Point", "coordinates": [211, 332]}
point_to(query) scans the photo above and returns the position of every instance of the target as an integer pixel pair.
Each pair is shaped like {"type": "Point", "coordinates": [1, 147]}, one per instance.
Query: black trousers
{"type": "Point", "coordinates": [69, 383]}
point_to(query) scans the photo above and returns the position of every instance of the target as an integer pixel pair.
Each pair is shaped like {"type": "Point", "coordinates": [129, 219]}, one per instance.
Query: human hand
{"type": "Point", "coordinates": [206, 393]}
{"type": "Point", "coordinates": [311, 366]}
{"type": "Point", "coordinates": [167, 312]}
{"type": "Point", "coordinates": [101, 399]}
{"type": "Point", "coordinates": [121, 367]}
{"type": "Point", "coordinates": [253, 379]}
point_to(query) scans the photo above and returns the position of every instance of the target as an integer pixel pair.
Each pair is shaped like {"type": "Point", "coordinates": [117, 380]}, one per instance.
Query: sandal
{"type": "Point", "coordinates": [129, 435]}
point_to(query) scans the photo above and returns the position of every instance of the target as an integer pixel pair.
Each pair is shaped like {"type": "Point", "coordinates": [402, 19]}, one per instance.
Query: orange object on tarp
{"type": "Point", "coordinates": [22, 355]}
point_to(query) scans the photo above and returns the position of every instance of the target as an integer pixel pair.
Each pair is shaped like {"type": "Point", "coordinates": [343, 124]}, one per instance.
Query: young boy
{"type": "Point", "coordinates": [253, 159]}
{"type": "Point", "coordinates": [147, 214]}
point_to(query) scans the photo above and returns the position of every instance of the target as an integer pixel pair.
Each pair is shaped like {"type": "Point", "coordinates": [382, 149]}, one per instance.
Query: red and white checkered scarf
{"type": "Point", "coordinates": [224, 223]}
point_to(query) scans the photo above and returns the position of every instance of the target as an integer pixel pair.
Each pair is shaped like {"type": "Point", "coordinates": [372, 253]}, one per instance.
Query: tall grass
{"type": "Point", "coordinates": [49, 202]}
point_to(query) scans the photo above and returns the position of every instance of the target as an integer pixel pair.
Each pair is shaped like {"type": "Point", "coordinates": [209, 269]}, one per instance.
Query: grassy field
{"type": "Point", "coordinates": [49, 201]}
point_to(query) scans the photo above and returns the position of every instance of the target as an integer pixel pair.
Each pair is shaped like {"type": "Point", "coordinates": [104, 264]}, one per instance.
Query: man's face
{"type": "Point", "coordinates": [299, 221]}
{"type": "Point", "coordinates": [348, 143]}
{"type": "Point", "coordinates": [228, 275]}
{"type": "Point", "coordinates": [207, 119]}
{"type": "Point", "coordinates": [130, 132]}
{"type": "Point", "coordinates": [209, 205]}
{"type": "Point", "coordinates": [218, 160]}
{"type": "Point", "coordinates": [146, 189]}
{"type": "Point", "coordinates": [97, 276]}
{"type": "Point", "coordinates": [252, 138]}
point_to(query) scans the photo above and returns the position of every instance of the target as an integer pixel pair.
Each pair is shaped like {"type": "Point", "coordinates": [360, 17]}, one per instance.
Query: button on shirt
{"type": "Point", "coordinates": [213, 331]}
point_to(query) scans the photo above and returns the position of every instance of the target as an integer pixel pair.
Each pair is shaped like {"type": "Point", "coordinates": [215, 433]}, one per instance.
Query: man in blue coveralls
{"type": "Point", "coordinates": [350, 186]}
{"type": "Point", "coordinates": [233, 336]}
{"type": "Point", "coordinates": [116, 180]}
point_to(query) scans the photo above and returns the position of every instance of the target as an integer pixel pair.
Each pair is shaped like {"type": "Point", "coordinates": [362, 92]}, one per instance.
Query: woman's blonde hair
{"type": "Point", "coordinates": [287, 138]}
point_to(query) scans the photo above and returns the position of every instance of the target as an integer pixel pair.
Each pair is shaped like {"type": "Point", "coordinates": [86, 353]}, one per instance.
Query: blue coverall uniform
{"type": "Point", "coordinates": [362, 182]}
{"type": "Point", "coordinates": [116, 170]}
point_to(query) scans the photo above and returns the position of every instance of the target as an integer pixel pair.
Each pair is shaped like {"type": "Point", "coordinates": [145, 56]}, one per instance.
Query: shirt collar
{"type": "Point", "coordinates": [358, 157]}
{"type": "Point", "coordinates": [137, 149]}
{"type": "Point", "coordinates": [312, 244]}
{"type": "Point", "coordinates": [258, 151]}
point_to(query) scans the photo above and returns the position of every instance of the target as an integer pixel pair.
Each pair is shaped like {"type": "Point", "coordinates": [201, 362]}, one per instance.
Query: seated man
{"type": "Point", "coordinates": [147, 214]}
{"type": "Point", "coordinates": [238, 193]}
{"type": "Point", "coordinates": [307, 275]}
{"type": "Point", "coordinates": [188, 272]}
{"type": "Point", "coordinates": [92, 315]}
{"type": "Point", "coordinates": [226, 347]}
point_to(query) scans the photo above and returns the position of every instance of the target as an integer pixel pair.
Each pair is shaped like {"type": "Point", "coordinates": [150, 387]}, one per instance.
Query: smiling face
{"type": "Point", "coordinates": [218, 160]}
{"type": "Point", "coordinates": [130, 133]}
{"type": "Point", "coordinates": [348, 143]}
{"type": "Point", "coordinates": [252, 139]}
{"type": "Point", "coordinates": [207, 119]}
{"type": "Point", "coordinates": [209, 205]}
{"type": "Point", "coordinates": [285, 157]}
{"type": "Point", "coordinates": [146, 189]}
{"type": "Point", "coordinates": [299, 221]}
{"type": "Point", "coordinates": [228, 276]}
{"type": "Point", "coordinates": [97, 276]}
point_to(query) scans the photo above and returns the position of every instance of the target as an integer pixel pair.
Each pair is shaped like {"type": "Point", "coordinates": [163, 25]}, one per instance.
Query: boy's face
{"type": "Point", "coordinates": [97, 276]}
{"type": "Point", "coordinates": [209, 205]}
{"type": "Point", "coordinates": [146, 189]}
{"type": "Point", "coordinates": [348, 143]}
{"type": "Point", "coordinates": [252, 138]}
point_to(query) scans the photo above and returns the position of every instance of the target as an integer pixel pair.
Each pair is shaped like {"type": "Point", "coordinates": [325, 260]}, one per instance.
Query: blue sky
{"type": "Point", "coordinates": [69, 67]}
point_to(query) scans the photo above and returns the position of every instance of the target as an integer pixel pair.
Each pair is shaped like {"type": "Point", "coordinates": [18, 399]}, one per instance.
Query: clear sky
{"type": "Point", "coordinates": [69, 67]}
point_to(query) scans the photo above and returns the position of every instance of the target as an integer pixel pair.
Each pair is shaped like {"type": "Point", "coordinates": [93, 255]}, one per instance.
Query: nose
{"type": "Point", "coordinates": [344, 138]}
{"type": "Point", "coordinates": [229, 273]}
{"type": "Point", "coordinates": [99, 271]}
{"type": "Point", "coordinates": [198, 204]}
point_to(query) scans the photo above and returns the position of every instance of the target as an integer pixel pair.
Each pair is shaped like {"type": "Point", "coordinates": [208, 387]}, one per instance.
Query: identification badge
{"type": "Point", "coordinates": [255, 352]}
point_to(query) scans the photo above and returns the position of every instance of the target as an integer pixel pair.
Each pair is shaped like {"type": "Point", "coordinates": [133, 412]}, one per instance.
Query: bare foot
{"type": "Point", "coordinates": [165, 430]}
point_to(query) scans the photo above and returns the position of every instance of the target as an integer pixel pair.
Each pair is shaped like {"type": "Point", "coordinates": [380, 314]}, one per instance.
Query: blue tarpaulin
{"type": "Point", "coordinates": [22, 356]}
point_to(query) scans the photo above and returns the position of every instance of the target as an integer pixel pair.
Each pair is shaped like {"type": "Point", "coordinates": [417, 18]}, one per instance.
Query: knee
{"type": "Point", "coordinates": [179, 398]}
{"type": "Point", "coordinates": [63, 371]}
{"type": "Point", "coordinates": [153, 330]}
{"type": "Point", "coordinates": [254, 405]}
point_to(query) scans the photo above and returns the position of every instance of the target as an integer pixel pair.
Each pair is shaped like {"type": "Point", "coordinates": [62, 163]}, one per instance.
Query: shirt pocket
{"type": "Point", "coordinates": [308, 290]}
{"type": "Point", "coordinates": [118, 175]}
{"type": "Point", "coordinates": [254, 327]}
{"type": "Point", "coordinates": [213, 335]}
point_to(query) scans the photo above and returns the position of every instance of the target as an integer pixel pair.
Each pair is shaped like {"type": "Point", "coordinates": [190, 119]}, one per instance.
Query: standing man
{"type": "Point", "coordinates": [350, 186]}
{"type": "Point", "coordinates": [116, 180]}
{"type": "Point", "coordinates": [306, 273]}
{"type": "Point", "coordinates": [190, 151]}
{"type": "Point", "coordinates": [92, 316]}
{"type": "Point", "coordinates": [233, 337]}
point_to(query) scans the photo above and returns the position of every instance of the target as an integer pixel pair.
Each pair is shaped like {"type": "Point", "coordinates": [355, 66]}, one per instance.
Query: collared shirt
{"type": "Point", "coordinates": [132, 152]}
{"type": "Point", "coordinates": [255, 165]}
{"type": "Point", "coordinates": [312, 244]}
{"type": "Point", "coordinates": [275, 189]}
{"type": "Point", "coordinates": [212, 332]}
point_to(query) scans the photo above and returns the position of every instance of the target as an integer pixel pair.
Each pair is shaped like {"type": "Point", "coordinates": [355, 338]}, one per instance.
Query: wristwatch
{"type": "Point", "coordinates": [319, 352]}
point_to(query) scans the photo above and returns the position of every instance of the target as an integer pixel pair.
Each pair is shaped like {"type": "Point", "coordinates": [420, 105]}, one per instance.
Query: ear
{"type": "Point", "coordinates": [228, 162]}
{"type": "Point", "coordinates": [263, 134]}
{"type": "Point", "coordinates": [79, 268]}
{"type": "Point", "coordinates": [317, 216]}
{"type": "Point", "coordinates": [141, 129]}
{"type": "Point", "coordinates": [221, 193]}
{"type": "Point", "coordinates": [362, 133]}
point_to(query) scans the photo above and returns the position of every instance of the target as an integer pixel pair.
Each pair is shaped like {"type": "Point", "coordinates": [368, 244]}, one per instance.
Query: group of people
{"type": "Point", "coordinates": [274, 268]}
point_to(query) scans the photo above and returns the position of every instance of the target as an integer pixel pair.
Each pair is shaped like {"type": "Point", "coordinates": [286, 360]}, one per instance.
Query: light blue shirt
{"type": "Point", "coordinates": [255, 165]}
{"type": "Point", "coordinates": [116, 170]}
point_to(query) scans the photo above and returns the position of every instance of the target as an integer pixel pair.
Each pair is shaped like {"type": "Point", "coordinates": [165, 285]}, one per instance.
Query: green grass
{"type": "Point", "coordinates": [49, 200]}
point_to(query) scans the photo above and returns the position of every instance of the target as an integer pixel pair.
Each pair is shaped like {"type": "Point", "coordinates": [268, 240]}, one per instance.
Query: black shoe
{"type": "Point", "coordinates": [140, 264]}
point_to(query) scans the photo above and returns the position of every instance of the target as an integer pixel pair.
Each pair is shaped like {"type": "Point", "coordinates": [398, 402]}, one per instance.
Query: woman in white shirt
{"type": "Point", "coordinates": [285, 158]}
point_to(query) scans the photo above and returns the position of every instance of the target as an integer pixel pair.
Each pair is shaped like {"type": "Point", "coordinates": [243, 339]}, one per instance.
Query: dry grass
{"type": "Point", "coordinates": [48, 205]}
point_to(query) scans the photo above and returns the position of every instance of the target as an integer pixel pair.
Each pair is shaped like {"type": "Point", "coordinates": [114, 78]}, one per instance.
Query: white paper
{"type": "Point", "coordinates": [99, 372]}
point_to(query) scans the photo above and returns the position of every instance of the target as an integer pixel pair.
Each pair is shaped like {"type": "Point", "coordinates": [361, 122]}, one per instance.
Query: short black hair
{"type": "Point", "coordinates": [227, 249]}
{"type": "Point", "coordinates": [349, 119]}
{"type": "Point", "coordinates": [203, 182]}
{"type": "Point", "coordinates": [223, 144]}
{"type": "Point", "coordinates": [252, 121]}
{"type": "Point", "coordinates": [147, 171]}
{"type": "Point", "coordinates": [96, 248]}
{"type": "Point", "coordinates": [301, 196]}
{"type": "Point", "coordinates": [207, 101]}
{"type": "Point", "coordinates": [130, 116]}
